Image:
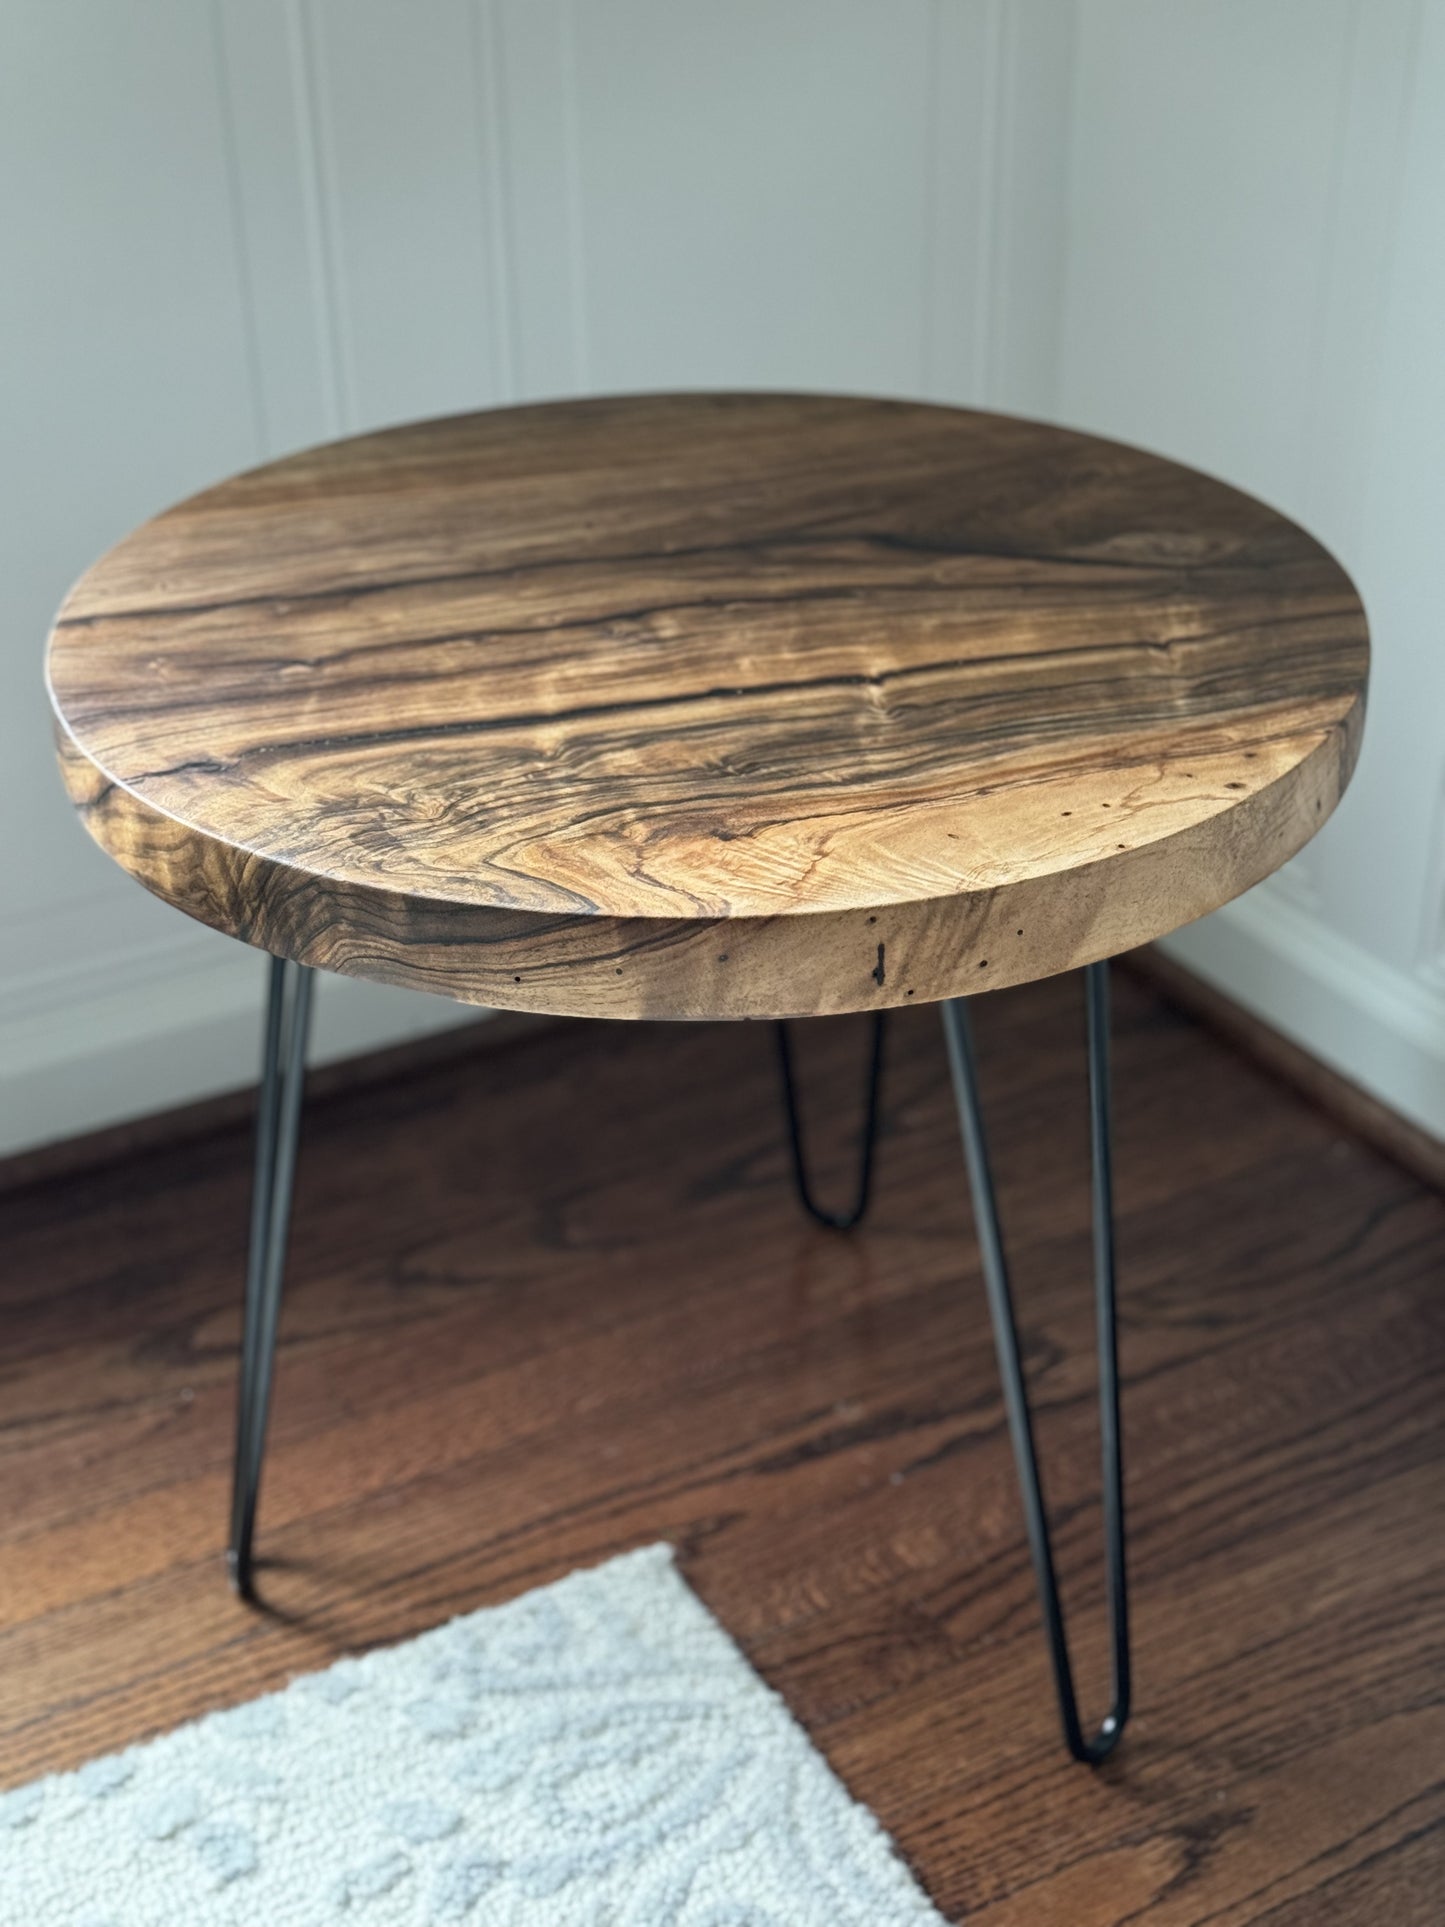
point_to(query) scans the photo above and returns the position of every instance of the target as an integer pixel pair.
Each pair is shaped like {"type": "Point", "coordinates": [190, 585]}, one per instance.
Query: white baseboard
{"type": "Point", "coordinates": [102, 1044]}
{"type": "Point", "coordinates": [1378, 1025]}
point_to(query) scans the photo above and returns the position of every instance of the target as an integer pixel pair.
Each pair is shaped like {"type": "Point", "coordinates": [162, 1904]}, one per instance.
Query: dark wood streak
{"type": "Point", "coordinates": [529, 707]}
{"type": "Point", "coordinates": [1171, 708]}
{"type": "Point", "coordinates": [755, 551]}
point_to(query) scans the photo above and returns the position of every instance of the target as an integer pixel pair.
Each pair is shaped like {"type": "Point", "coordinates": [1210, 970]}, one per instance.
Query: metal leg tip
{"type": "Point", "coordinates": [239, 1570]}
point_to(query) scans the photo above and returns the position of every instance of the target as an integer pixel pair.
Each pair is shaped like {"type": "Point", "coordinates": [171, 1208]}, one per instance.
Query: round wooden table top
{"type": "Point", "coordinates": [709, 705]}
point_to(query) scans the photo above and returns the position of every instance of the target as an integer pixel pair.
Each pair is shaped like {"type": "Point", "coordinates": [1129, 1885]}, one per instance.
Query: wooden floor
{"type": "Point", "coordinates": [557, 1300]}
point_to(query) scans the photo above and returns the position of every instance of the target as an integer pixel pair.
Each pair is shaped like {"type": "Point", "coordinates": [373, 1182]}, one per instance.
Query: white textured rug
{"type": "Point", "coordinates": [594, 1754]}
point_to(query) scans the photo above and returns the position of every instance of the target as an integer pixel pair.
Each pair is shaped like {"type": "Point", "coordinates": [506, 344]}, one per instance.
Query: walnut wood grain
{"type": "Point", "coordinates": [562, 1302]}
{"type": "Point", "coordinates": [690, 706]}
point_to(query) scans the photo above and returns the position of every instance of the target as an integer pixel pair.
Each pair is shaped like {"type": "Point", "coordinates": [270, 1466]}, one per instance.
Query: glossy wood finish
{"type": "Point", "coordinates": [562, 1301]}
{"type": "Point", "coordinates": [710, 705]}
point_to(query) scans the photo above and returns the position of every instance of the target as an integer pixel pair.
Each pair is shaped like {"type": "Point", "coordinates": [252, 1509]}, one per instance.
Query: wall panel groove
{"type": "Point", "coordinates": [495, 170]}
{"type": "Point", "coordinates": [226, 119]}
{"type": "Point", "coordinates": [319, 204]}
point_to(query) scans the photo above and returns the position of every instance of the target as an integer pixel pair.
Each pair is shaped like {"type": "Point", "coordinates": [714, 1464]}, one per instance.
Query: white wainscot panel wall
{"type": "Point", "coordinates": [1255, 282]}
{"type": "Point", "coordinates": [232, 227]}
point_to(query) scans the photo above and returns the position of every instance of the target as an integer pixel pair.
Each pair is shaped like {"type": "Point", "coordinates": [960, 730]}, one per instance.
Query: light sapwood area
{"type": "Point", "coordinates": [709, 705]}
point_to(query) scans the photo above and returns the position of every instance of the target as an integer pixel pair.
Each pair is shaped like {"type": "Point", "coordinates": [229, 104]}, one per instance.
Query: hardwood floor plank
{"type": "Point", "coordinates": [559, 1300]}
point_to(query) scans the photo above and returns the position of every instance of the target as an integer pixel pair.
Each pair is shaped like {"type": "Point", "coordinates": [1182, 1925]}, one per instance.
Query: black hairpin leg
{"type": "Point", "coordinates": [278, 1123]}
{"type": "Point", "coordinates": [995, 1272]}
{"type": "Point", "coordinates": [834, 1220]}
